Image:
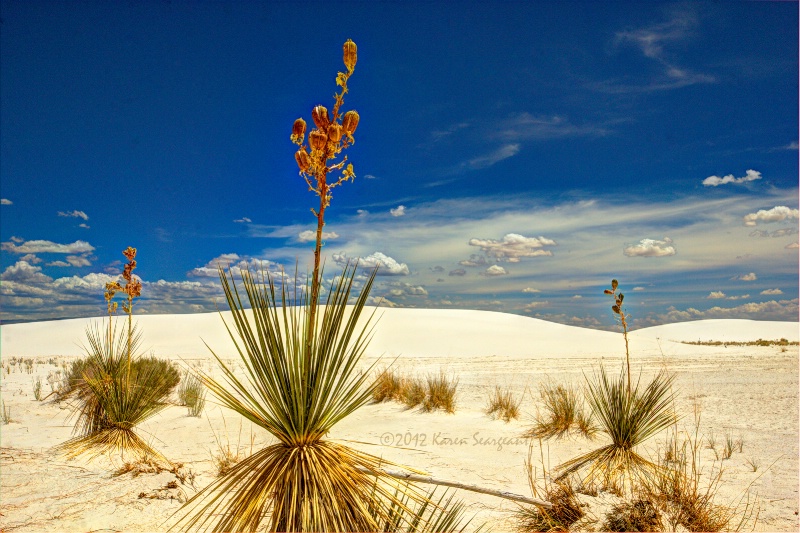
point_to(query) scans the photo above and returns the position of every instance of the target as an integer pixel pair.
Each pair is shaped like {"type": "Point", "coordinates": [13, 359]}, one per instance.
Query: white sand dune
{"type": "Point", "coordinates": [399, 332]}
{"type": "Point", "coordinates": [747, 392]}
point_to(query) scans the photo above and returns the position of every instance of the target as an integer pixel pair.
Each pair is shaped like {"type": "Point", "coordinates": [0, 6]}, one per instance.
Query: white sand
{"type": "Point", "coordinates": [747, 392]}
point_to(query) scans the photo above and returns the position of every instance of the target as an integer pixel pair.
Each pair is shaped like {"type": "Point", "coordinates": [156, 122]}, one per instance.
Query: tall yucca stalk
{"type": "Point", "coordinates": [301, 377]}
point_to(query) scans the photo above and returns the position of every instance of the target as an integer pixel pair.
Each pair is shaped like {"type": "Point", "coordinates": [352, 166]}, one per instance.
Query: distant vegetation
{"type": "Point", "coordinates": [759, 342]}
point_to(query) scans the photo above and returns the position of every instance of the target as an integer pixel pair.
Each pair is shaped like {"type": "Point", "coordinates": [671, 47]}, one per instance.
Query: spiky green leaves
{"type": "Point", "coordinates": [628, 419]}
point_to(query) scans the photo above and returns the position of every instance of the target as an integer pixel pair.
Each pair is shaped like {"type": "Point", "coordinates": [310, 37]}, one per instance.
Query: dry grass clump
{"type": "Point", "coordinates": [435, 392]}
{"type": "Point", "coordinates": [563, 412]}
{"type": "Point", "coordinates": [685, 498]}
{"type": "Point", "coordinates": [192, 394]}
{"type": "Point", "coordinates": [389, 386]}
{"type": "Point", "coordinates": [503, 403]}
{"type": "Point", "coordinates": [37, 388]}
{"type": "Point", "coordinates": [413, 393]}
{"type": "Point", "coordinates": [639, 515]}
{"type": "Point", "coordinates": [561, 493]}
{"type": "Point", "coordinates": [441, 393]}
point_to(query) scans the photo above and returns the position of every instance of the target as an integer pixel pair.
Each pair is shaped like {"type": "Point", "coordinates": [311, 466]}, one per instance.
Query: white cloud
{"type": "Point", "coordinates": [715, 295]}
{"type": "Point", "coordinates": [78, 261]}
{"type": "Point", "coordinates": [310, 235]}
{"type": "Point", "coordinates": [460, 272]}
{"type": "Point", "coordinates": [771, 292]}
{"type": "Point", "coordinates": [387, 266]}
{"type": "Point", "coordinates": [534, 305]}
{"type": "Point", "coordinates": [792, 246]}
{"type": "Point", "coordinates": [58, 264]}
{"type": "Point", "coordinates": [399, 211]}
{"type": "Point", "coordinates": [791, 146]}
{"type": "Point", "coordinates": [406, 289]}
{"type": "Point", "coordinates": [370, 177]}
{"type": "Point", "coordinates": [84, 226]}
{"type": "Point", "coordinates": [75, 214]}
{"type": "Point", "coordinates": [650, 248]}
{"type": "Point", "coordinates": [776, 214]}
{"type": "Point", "coordinates": [577, 297]}
{"type": "Point", "coordinates": [24, 272]}
{"type": "Point", "coordinates": [637, 289]}
{"type": "Point", "coordinates": [530, 290]}
{"type": "Point", "coordinates": [362, 213]}
{"type": "Point", "coordinates": [6, 201]}
{"type": "Point", "coordinates": [715, 181]}
{"type": "Point", "coordinates": [747, 277]}
{"type": "Point", "coordinates": [495, 270]}
{"type": "Point", "coordinates": [514, 246]}
{"type": "Point", "coordinates": [243, 220]}
{"type": "Point", "coordinates": [485, 161]}
{"type": "Point", "coordinates": [30, 258]}
{"type": "Point", "coordinates": [42, 247]}
{"type": "Point", "coordinates": [475, 260]}
{"type": "Point", "coordinates": [233, 262]}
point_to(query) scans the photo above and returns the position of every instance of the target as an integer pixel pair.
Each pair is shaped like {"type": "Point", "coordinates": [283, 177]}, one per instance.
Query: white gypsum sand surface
{"type": "Point", "coordinates": [748, 392]}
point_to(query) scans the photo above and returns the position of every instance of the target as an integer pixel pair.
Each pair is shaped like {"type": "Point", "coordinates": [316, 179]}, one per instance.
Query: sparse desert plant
{"type": "Point", "coordinates": [301, 377]}
{"type": "Point", "coordinates": [37, 388]}
{"type": "Point", "coordinates": [566, 508]}
{"type": "Point", "coordinates": [686, 495]}
{"type": "Point", "coordinates": [711, 444]}
{"type": "Point", "coordinates": [729, 446]}
{"type": "Point", "coordinates": [441, 393]}
{"type": "Point", "coordinates": [562, 412]}
{"type": "Point", "coordinates": [753, 463]}
{"type": "Point", "coordinates": [638, 515]}
{"type": "Point", "coordinates": [429, 516]}
{"type": "Point", "coordinates": [503, 405]}
{"type": "Point", "coordinates": [192, 394]}
{"type": "Point", "coordinates": [5, 414]}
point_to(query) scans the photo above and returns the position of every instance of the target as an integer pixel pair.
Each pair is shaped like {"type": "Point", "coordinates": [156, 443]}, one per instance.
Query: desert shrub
{"type": "Point", "coordinates": [503, 403]}
{"type": "Point", "coordinates": [192, 394]}
{"type": "Point", "coordinates": [638, 515]}
{"type": "Point", "coordinates": [562, 412]}
{"type": "Point", "coordinates": [441, 393]}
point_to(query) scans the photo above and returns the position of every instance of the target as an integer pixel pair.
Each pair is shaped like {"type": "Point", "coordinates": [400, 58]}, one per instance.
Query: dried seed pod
{"type": "Point", "coordinates": [615, 308]}
{"type": "Point", "coordinates": [614, 284]}
{"type": "Point", "coordinates": [298, 131]}
{"type": "Point", "coordinates": [317, 139]}
{"type": "Point", "coordinates": [303, 159]}
{"type": "Point", "coordinates": [335, 132]}
{"type": "Point", "coordinates": [620, 298]}
{"type": "Point", "coordinates": [320, 116]}
{"type": "Point", "coordinates": [350, 122]}
{"type": "Point", "coordinates": [350, 55]}
{"type": "Point", "coordinates": [608, 291]}
{"type": "Point", "coordinates": [129, 253]}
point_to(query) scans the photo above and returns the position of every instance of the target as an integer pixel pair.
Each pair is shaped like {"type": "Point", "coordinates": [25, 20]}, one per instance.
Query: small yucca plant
{"type": "Point", "coordinates": [116, 390]}
{"type": "Point", "coordinates": [628, 415]}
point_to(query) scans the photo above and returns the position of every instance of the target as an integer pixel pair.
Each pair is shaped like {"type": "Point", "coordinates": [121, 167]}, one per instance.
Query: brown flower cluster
{"type": "Point", "coordinates": [132, 287]}
{"type": "Point", "coordinates": [332, 133]}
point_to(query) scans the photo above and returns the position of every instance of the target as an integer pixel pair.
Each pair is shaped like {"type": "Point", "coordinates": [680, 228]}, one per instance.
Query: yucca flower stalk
{"type": "Point", "coordinates": [332, 134]}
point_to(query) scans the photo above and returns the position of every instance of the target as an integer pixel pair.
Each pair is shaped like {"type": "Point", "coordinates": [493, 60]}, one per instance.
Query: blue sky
{"type": "Point", "coordinates": [510, 156]}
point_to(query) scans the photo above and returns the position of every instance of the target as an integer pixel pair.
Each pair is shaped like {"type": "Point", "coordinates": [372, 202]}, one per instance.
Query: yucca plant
{"type": "Point", "coordinates": [300, 378]}
{"type": "Point", "coordinates": [628, 415]}
{"type": "Point", "coordinates": [116, 389]}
